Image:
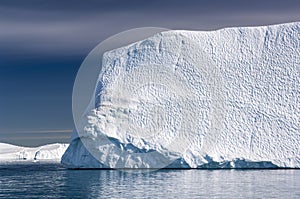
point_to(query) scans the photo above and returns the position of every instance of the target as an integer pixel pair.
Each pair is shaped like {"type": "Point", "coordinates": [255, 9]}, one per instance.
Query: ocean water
{"type": "Point", "coordinates": [53, 181]}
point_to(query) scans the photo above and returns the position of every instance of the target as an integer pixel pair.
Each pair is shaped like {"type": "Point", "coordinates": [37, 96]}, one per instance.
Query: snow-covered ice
{"type": "Point", "coordinates": [49, 153]}
{"type": "Point", "coordinates": [202, 99]}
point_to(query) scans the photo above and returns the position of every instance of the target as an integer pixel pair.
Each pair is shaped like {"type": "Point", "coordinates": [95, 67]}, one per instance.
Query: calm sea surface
{"type": "Point", "coordinates": [54, 181]}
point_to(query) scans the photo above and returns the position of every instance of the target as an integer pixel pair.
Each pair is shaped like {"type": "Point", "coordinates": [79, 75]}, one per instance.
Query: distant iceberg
{"type": "Point", "coordinates": [196, 99]}
{"type": "Point", "coordinates": [48, 153]}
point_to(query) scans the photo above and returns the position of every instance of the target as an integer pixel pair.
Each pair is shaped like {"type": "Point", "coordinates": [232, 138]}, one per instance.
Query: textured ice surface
{"type": "Point", "coordinates": [50, 152]}
{"type": "Point", "coordinates": [219, 99]}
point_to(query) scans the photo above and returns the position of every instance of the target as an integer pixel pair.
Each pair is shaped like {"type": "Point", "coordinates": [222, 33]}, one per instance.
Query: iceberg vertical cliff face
{"type": "Point", "coordinates": [227, 98]}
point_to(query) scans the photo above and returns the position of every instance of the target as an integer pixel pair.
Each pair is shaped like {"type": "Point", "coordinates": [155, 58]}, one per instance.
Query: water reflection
{"type": "Point", "coordinates": [185, 183]}
{"type": "Point", "coordinates": [56, 182]}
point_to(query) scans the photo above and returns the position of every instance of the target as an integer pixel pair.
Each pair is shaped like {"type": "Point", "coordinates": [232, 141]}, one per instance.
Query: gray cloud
{"type": "Point", "coordinates": [91, 6]}
{"type": "Point", "coordinates": [58, 27]}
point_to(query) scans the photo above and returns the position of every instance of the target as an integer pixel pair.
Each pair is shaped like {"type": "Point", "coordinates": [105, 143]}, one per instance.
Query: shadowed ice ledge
{"type": "Point", "coordinates": [82, 159]}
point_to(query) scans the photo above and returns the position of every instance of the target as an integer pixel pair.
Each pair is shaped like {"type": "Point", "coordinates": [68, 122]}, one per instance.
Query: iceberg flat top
{"type": "Point", "coordinates": [225, 98]}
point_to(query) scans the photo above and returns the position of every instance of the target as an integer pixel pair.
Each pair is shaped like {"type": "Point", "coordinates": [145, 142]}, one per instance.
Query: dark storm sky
{"type": "Point", "coordinates": [42, 44]}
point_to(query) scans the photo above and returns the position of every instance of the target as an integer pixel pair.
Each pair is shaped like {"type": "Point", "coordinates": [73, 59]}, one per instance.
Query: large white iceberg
{"type": "Point", "coordinates": [196, 99]}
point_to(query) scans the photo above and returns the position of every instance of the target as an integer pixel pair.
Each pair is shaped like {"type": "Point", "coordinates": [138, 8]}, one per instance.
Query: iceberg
{"type": "Point", "coordinates": [196, 99]}
{"type": "Point", "coordinates": [48, 153]}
